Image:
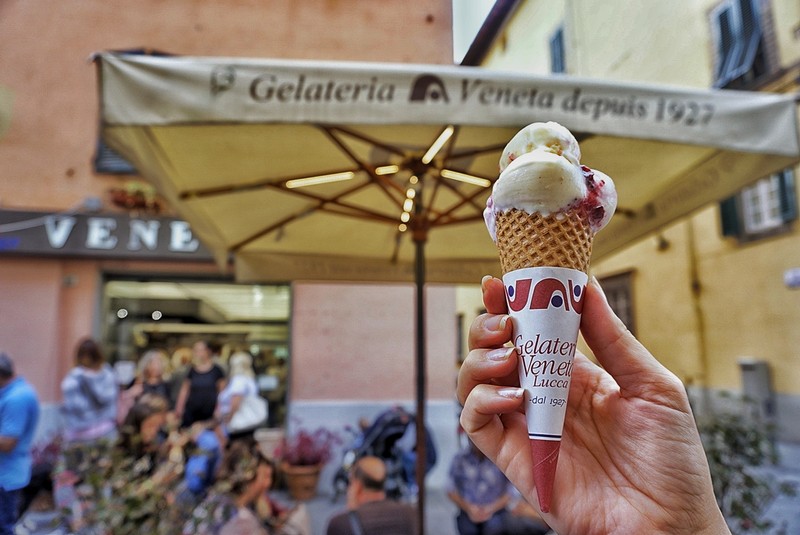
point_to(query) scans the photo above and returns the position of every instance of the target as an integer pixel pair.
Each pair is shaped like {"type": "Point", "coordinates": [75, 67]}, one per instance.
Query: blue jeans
{"type": "Point", "coordinates": [9, 507]}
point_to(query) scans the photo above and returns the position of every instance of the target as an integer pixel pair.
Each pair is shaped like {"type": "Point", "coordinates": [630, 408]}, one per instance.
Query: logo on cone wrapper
{"type": "Point", "coordinates": [545, 305]}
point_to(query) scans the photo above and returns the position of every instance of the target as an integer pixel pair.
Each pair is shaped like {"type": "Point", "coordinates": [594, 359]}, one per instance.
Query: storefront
{"type": "Point", "coordinates": [134, 283]}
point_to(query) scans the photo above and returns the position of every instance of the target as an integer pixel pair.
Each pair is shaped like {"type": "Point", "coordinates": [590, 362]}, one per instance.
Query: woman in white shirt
{"type": "Point", "coordinates": [241, 384]}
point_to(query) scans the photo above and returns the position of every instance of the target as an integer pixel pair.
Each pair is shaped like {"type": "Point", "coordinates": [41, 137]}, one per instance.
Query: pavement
{"type": "Point", "coordinates": [784, 512]}
{"type": "Point", "coordinates": [440, 512]}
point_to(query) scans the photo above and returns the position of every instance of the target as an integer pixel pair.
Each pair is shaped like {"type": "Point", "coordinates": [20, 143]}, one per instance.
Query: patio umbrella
{"type": "Point", "coordinates": [360, 171]}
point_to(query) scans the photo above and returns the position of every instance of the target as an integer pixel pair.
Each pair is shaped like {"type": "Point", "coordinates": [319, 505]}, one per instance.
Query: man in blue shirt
{"type": "Point", "coordinates": [19, 414]}
{"type": "Point", "coordinates": [487, 502]}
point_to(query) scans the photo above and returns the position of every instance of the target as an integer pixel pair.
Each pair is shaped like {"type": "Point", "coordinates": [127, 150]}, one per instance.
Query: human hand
{"type": "Point", "coordinates": [631, 460]}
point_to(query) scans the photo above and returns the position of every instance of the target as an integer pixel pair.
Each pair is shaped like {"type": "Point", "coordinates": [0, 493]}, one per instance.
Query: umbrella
{"type": "Point", "coordinates": [366, 171]}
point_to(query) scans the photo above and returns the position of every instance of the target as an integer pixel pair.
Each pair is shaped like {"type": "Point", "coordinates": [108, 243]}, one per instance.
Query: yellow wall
{"type": "Point", "coordinates": [743, 308]}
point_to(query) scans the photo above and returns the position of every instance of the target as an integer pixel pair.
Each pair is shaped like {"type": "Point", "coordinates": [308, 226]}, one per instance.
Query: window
{"type": "Point", "coordinates": [741, 40]}
{"type": "Point", "coordinates": [557, 51]}
{"type": "Point", "coordinates": [760, 210]}
{"type": "Point", "coordinates": [619, 292]}
{"type": "Point", "coordinates": [107, 160]}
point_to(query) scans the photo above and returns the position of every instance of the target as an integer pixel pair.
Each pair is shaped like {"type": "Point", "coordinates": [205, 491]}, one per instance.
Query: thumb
{"type": "Point", "coordinates": [634, 368]}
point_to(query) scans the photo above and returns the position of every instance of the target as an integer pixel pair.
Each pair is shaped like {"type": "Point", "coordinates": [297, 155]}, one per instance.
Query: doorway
{"type": "Point", "coordinates": [171, 314]}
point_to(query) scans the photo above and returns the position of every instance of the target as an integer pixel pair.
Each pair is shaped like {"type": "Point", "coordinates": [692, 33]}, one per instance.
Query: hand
{"type": "Point", "coordinates": [631, 459]}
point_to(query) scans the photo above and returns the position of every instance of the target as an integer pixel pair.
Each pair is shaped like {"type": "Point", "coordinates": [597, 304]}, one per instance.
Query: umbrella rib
{"type": "Point", "coordinates": [358, 213]}
{"type": "Point", "coordinates": [465, 199]}
{"type": "Point", "coordinates": [242, 188]}
{"type": "Point", "coordinates": [368, 140]}
{"type": "Point", "coordinates": [438, 183]}
{"type": "Point", "coordinates": [384, 183]}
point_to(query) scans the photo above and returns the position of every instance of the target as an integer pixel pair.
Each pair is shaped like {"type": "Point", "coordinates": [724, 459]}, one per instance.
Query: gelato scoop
{"type": "Point", "coordinates": [540, 172]}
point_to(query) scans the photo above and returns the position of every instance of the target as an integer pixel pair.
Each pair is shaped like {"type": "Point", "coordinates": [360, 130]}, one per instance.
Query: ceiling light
{"type": "Point", "coordinates": [404, 217]}
{"type": "Point", "coordinates": [413, 179]}
{"type": "Point", "coordinates": [387, 169]}
{"type": "Point", "coordinates": [463, 177]}
{"type": "Point", "coordinates": [438, 144]}
{"type": "Point", "coordinates": [408, 204]}
{"type": "Point", "coordinates": [402, 227]}
{"type": "Point", "coordinates": [321, 179]}
{"type": "Point", "coordinates": [411, 193]}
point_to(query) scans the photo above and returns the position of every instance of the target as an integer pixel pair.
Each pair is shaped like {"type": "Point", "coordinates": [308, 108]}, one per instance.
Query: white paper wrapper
{"type": "Point", "coordinates": [545, 304]}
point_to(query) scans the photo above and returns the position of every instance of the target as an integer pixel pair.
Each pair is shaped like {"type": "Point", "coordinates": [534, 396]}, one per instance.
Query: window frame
{"type": "Point", "coordinates": [734, 210]}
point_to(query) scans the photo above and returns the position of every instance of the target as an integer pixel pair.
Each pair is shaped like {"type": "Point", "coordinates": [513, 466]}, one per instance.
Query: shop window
{"type": "Point", "coordinates": [557, 51]}
{"type": "Point", "coordinates": [171, 314]}
{"type": "Point", "coordinates": [619, 292]}
{"type": "Point", "coordinates": [743, 43]}
{"type": "Point", "coordinates": [108, 161]}
{"type": "Point", "coordinates": [764, 209]}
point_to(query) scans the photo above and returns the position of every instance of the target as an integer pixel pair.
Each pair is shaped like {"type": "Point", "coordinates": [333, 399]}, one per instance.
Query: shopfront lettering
{"type": "Point", "coordinates": [101, 234]}
{"type": "Point", "coordinates": [269, 88]}
{"type": "Point", "coordinates": [104, 235]}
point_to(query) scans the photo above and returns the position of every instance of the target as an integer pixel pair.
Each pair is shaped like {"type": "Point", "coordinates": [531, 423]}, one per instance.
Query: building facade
{"type": "Point", "coordinates": [88, 249]}
{"type": "Point", "coordinates": [714, 295]}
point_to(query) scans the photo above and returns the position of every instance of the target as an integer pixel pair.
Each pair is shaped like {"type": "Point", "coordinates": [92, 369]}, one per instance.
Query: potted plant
{"type": "Point", "coordinates": [302, 456]}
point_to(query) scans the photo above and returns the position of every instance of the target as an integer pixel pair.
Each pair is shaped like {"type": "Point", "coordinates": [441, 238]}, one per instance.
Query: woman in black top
{"type": "Point", "coordinates": [197, 399]}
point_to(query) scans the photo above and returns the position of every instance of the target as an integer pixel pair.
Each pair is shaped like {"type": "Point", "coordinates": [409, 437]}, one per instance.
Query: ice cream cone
{"type": "Point", "coordinates": [543, 213]}
{"type": "Point", "coordinates": [531, 240]}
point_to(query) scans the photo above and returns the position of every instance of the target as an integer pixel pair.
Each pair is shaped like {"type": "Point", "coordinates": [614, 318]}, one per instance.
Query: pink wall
{"type": "Point", "coordinates": [45, 62]}
{"type": "Point", "coordinates": [47, 151]}
{"type": "Point", "coordinates": [41, 318]}
{"type": "Point", "coordinates": [357, 342]}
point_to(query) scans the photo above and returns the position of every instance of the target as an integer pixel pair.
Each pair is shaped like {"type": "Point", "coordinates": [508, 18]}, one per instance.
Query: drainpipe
{"type": "Point", "coordinates": [697, 306]}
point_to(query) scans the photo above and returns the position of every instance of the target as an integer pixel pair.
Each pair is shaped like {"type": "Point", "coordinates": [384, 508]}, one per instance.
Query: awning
{"type": "Point", "coordinates": [222, 139]}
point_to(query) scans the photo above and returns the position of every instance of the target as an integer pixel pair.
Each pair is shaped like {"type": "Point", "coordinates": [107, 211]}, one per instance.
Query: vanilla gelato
{"type": "Point", "coordinates": [540, 172]}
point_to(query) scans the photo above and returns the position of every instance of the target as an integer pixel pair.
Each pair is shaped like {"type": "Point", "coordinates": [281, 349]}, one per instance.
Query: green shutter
{"type": "Point", "coordinates": [729, 217]}
{"type": "Point", "coordinates": [788, 196]}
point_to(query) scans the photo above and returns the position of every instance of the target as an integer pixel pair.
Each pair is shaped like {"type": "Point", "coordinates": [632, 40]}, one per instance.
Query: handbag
{"type": "Point", "coordinates": [252, 413]}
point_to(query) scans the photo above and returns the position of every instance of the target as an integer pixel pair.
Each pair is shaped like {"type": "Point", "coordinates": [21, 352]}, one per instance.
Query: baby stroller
{"type": "Point", "coordinates": [393, 438]}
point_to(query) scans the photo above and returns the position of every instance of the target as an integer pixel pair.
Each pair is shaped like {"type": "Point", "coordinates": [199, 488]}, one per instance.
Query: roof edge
{"type": "Point", "coordinates": [490, 29]}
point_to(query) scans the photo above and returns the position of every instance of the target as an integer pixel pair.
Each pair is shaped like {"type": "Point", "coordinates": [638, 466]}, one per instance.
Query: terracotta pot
{"type": "Point", "coordinates": [301, 480]}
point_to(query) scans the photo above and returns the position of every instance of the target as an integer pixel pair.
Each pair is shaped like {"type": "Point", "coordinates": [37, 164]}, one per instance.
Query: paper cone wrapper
{"type": "Point", "coordinates": [545, 262]}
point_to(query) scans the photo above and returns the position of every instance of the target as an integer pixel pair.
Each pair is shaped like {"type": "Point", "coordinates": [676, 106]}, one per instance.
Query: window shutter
{"type": "Point", "coordinates": [726, 46]}
{"type": "Point", "coordinates": [750, 36]}
{"type": "Point", "coordinates": [729, 217]}
{"type": "Point", "coordinates": [557, 51]}
{"type": "Point", "coordinates": [788, 196]}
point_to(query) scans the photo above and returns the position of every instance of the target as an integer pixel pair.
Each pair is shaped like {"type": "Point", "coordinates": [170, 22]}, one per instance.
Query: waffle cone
{"type": "Point", "coordinates": [532, 240]}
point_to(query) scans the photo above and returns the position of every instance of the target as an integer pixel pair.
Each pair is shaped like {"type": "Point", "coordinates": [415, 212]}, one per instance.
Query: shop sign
{"type": "Point", "coordinates": [98, 236]}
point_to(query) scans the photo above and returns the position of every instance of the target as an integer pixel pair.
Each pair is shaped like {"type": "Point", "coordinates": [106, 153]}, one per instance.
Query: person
{"type": "Point", "coordinates": [246, 475]}
{"type": "Point", "coordinates": [631, 459]}
{"type": "Point", "coordinates": [197, 399]}
{"type": "Point", "coordinates": [151, 378]}
{"type": "Point", "coordinates": [241, 383]}
{"type": "Point", "coordinates": [19, 415]}
{"type": "Point", "coordinates": [89, 391]}
{"type": "Point", "coordinates": [485, 497]}
{"type": "Point", "coordinates": [369, 511]}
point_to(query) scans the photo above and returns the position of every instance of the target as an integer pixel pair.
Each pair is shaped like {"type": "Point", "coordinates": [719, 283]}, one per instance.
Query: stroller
{"type": "Point", "coordinates": [392, 437]}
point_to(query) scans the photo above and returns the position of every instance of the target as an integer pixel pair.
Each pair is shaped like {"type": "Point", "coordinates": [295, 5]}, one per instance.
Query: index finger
{"type": "Point", "coordinates": [494, 295]}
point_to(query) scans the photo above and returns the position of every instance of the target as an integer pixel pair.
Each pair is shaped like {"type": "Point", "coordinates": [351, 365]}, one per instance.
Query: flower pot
{"type": "Point", "coordinates": [301, 480]}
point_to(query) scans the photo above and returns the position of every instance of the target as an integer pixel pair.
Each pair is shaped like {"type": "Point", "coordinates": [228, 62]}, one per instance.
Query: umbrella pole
{"type": "Point", "coordinates": [420, 237]}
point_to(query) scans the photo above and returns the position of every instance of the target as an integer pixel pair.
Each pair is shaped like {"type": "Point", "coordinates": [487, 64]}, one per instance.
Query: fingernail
{"type": "Point", "coordinates": [594, 282]}
{"type": "Point", "coordinates": [484, 280]}
{"type": "Point", "coordinates": [497, 323]}
{"type": "Point", "coordinates": [511, 393]}
{"type": "Point", "coordinates": [499, 354]}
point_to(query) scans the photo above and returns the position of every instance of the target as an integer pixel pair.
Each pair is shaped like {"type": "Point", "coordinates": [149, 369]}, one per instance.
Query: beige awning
{"type": "Point", "coordinates": [221, 139]}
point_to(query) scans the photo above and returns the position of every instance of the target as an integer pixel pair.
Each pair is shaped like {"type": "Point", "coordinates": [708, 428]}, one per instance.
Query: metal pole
{"type": "Point", "coordinates": [420, 237]}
